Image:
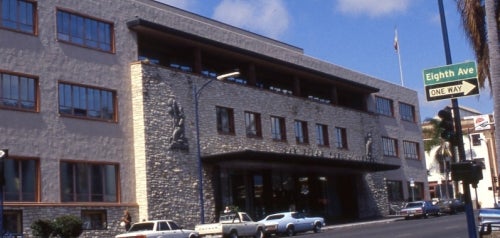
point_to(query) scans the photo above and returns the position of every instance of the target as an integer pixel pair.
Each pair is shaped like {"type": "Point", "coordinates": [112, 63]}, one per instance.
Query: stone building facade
{"type": "Point", "coordinates": [105, 121]}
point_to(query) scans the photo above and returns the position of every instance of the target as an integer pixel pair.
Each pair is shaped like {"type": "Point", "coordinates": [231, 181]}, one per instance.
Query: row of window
{"type": "Point", "coordinates": [384, 106]}
{"type": "Point", "coordinates": [253, 128]}
{"type": "Point", "coordinates": [80, 181]}
{"type": "Point", "coordinates": [92, 220]}
{"type": "Point", "coordinates": [78, 29]}
{"type": "Point", "coordinates": [20, 92]}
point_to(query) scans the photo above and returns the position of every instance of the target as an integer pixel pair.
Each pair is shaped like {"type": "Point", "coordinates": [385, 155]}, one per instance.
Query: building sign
{"type": "Point", "coordinates": [482, 122]}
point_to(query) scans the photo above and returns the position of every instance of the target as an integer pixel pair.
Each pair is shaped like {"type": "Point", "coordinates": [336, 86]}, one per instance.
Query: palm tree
{"type": "Point", "coordinates": [432, 138]}
{"type": "Point", "coordinates": [480, 17]}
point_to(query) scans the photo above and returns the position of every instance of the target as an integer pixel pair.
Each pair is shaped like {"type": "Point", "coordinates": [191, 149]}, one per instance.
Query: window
{"type": "Point", "coordinates": [252, 124]}
{"type": "Point", "coordinates": [21, 176]}
{"type": "Point", "coordinates": [85, 182]}
{"type": "Point", "coordinates": [84, 31]}
{"type": "Point", "coordinates": [407, 112]}
{"type": "Point", "coordinates": [411, 150]}
{"type": "Point", "coordinates": [322, 135]}
{"type": "Point", "coordinates": [301, 135]}
{"type": "Point", "coordinates": [476, 139]}
{"type": "Point", "coordinates": [416, 192]}
{"type": "Point", "coordinates": [390, 146]}
{"type": "Point", "coordinates": [225, 120]}
{"type": "Point", "coordinates": [19, 15]}
{"type": "Point", "coordinates": [384, 106]}
{"type": "Point", "coordinates": [87, 102]}
{"type": "Point", "coordinates": [13, 222]}
{"type": "Point", "coordinates": [278, 129]}
{"type": "Point", "coordinates": [395, 190]}
{"type": "Point", "coordinates": [341, 136]}
{"type": "Point", "coordinates": [94, 219]}
{"type": "Point", "coordinates": [18, 92]}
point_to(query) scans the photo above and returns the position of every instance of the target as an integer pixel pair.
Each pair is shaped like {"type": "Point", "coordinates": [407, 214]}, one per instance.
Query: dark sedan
{"type": "Point", "coordinates": [451, 206]}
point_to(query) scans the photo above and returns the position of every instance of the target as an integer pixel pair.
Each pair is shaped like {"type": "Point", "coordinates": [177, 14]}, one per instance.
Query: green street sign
{"type": "Point", "coordinates": [450, 73]}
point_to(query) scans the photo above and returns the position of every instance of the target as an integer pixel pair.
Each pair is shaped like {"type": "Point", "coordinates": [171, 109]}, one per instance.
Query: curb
{"type": "Point", "coordinates": [383, 220]}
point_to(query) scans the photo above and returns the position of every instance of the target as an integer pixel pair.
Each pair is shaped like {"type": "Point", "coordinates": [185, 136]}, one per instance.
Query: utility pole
{"type": "Point", "coordinates": [459, 145]}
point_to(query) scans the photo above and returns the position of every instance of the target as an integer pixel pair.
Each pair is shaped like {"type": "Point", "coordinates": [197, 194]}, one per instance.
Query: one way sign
{"type": "Point", "coordinates": [452, 89]}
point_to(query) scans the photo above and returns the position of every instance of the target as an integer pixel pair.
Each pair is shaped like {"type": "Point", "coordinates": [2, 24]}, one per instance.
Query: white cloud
{"type": "Point", "coordinates": [372, 8]}
{"type": "Point", "coordinates": [269, 18]}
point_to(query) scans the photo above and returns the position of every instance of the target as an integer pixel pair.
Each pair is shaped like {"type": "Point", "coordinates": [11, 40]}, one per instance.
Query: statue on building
{"type": "Point", "coordinates": [368, 146]}
{"type": "Point", "coordinates": [178, 140]}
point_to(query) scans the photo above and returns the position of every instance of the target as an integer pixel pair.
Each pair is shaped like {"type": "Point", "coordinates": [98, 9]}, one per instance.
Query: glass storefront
{"type": "Point", "coordinates": [263, 192]}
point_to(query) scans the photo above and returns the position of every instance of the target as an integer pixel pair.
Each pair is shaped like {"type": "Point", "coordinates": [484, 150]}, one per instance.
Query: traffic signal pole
{"type": "Point", "coordinates": [459, 141]}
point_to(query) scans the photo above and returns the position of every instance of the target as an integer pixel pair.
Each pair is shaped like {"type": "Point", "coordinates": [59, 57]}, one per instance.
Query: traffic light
{"type": "Point", "coordinates": [3, 156]}
{"type": "Point", "coordinates": [446, 125]}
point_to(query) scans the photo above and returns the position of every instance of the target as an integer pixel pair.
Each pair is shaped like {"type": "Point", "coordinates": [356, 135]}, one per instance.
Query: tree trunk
{"type": "Point", "coordinates": [494, 51]}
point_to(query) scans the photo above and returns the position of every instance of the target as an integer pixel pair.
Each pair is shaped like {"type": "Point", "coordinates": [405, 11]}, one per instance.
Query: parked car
{"type": "Point", "coordinates": [290, 223]}
{"type": "Point", "coordinates": [419, 209]}
{"type": "Point", "coordinates": [232, 225]}
{"type": "Point", "coordinates": [157, 229]}
{"type": "Point", "coordinates": [451, 206]}
{"type": "Point", "coordinates": [489, 216]}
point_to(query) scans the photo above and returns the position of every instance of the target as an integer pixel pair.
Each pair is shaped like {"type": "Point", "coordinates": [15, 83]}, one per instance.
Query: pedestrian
{"type": "Point", "coordinates": [126, 220]}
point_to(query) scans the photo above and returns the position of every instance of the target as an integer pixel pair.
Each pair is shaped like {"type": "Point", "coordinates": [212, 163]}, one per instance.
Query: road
{"type": "Point", "coordinates": [446, 226]}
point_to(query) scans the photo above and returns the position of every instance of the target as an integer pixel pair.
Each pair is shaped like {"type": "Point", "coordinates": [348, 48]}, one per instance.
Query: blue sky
{"type": "Point", "coordinates": [358, 35]}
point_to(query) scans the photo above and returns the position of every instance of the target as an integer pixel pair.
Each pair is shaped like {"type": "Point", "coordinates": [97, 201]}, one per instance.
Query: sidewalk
{"type": "Point", "coordinates": [388, 219]}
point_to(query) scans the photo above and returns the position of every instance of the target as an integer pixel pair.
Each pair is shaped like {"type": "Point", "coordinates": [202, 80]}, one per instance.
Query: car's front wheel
{"type": "Point", "coordinates": [317, 228]}
{"type": "Point", "coordinates": [260, 234]}
{"type": "Point", "coordinates": [233, 234]}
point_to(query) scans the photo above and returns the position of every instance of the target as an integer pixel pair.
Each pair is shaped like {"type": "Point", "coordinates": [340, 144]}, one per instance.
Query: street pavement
{"type": "Point", "coordinates": [388, 219]}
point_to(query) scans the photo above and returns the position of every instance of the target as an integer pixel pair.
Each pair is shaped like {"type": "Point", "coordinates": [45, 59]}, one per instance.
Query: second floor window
{"type": "Point", "coordinates": [84, 31]}
{"type": "Point", "coordinates": [341, 137]}
{"type": "Point", "coordinates": [18, 15]}
{"type": "Point", "coordinates": [384, 106]}
{"type": "Point", "coordinates": [411, 150]}
{"type": "Point", "coordinates": [278, 129]}
{"type": "Point", "coordinates": [252, 124]}
{"type": "Point", "coordinates": [87, 102]}
{"type": "Point", "coordinates": [301, 133]}
{"type": "Point", "coordinates": [85, 182]}
{"type": "Point", "coordinates": [322, 135]}
{"type": "Point", "coordinates": [18, 92]}
{"type": "Point", "coordinates": [407, 112]}
{"type": "Point", "coordinates": [225, 120]}
{"type": "Point", "coordinates": [21, 179]}
{"type": "Point", "coordinates": [390, 146]}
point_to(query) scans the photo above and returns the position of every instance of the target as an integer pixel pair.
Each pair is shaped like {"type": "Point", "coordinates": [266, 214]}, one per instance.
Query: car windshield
{"type": "Point", "coordinates": [413, 204]}
{"type": "Point", "coordinates": [148, 226]}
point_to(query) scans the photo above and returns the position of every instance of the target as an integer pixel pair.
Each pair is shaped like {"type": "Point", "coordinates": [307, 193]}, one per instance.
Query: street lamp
{"type": "Point", "coordinates": [412, 186]}
{"type": "Point", "coordinates": [196, 96]}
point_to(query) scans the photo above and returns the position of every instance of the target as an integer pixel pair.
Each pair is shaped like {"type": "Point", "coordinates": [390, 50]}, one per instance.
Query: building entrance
{"type": "Point", "coordinates": [264, 192]}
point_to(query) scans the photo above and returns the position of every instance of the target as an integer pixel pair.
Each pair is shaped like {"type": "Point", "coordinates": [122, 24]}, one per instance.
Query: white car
{"type": "Point", "coordinates": [157, 229]}
{"type": "Point", "coordinates": [291, 223]}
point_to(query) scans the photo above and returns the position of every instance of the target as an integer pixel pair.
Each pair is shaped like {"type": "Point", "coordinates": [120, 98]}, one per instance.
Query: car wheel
{"type": "Point", "coordinates": [233, 234]}
{"type": "Point", "coordinates": [426, 215]}
{"type": "Point", "coordinates": [290, 231]}
{"type": "Point", "coordinates": [317, 228]}
{"type": "Point", "coordinates": [260, 234]}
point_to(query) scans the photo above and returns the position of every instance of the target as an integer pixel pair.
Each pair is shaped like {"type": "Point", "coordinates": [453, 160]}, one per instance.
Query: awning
{"type": "Point", "coordinates": [265, 160]}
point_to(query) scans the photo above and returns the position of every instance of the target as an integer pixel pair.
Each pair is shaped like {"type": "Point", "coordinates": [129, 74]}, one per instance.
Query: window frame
{"type": "Point", "coordinates": [341, 138]}
{"type": "Point", "coordinates": [19, 22]}
{"type": "Point", "coordinates": [278, 128]}
{"type": "Point", "coordinates": [407, 112]}
{"type": "Point", "coordinates": [322, 138]}
{"type": "Point", "coordinates": [384, 106]}
{"type": "Point", "coordinates": [83, 170]}
{"type": "Point", "coordinates": [226, 126]}
{"type": "Point", "coordinates": [411, 152]}
{"type": "Point", "coordinates": [253, 124]}
{"type": "Point", "coordinates": [20, 183]}
{"type": "Point", "coordinates": [67, 30]}
{"type": "Point", "coordinates": [76, 109]}
{"type": "Point", "coordinates": [390, 152]}
{"type": "Point", "coordinates": [92, 213]}
{"type": "Point", "coordinates": [301, 132]}
{"type": "Point", "coordinates": [35, 90]}
{"type": "Point", "coordinates": [395, 190]}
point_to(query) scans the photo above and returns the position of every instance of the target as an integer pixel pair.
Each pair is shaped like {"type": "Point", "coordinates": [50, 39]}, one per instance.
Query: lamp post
{"type": "Point", "coordinates": [196, 97]}
{"type": "Point", "coordinates": [412, 186]}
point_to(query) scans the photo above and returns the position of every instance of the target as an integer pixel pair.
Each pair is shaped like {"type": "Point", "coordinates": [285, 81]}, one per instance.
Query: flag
{"type": "Point", "coordinates": [396, 44]}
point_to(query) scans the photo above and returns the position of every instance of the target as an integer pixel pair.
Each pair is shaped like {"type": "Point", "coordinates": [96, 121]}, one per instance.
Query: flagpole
{"type": "Point", "coordinates": [397, 48]}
